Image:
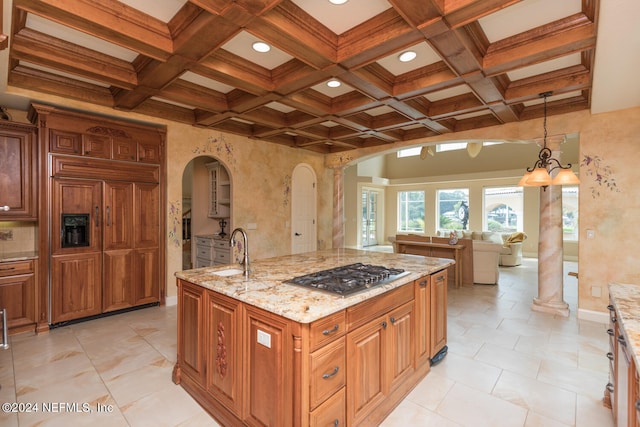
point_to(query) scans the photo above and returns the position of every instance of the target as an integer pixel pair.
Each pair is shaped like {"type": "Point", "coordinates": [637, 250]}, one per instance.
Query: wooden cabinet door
{"type": "Point", "coordinates": [76, 289]}
{"type": "Point", "coordinates": [191, 331]}
{"type": "Point", "coordinates": [96, 146]}
{"type": "Point", "coordinates": [438, 311]}
{"type": "Point", "coordinates": [118, 215]}
{"type": "Point", "coordinates": [117, 286]}
{"type": "Point", "coordinates": [65, 142]}
{"type": "Point", "coordinates": [17, 295]}
{"type": "Point", "coordinates": [149, 152]}
{"type": "Point", "coordinates": [224, 370]}
{"type": "Point", "coordinates": [146, 221]}
{"type": "Point", "coordinates": [146, 276]}
{"type": "Point", "coordinates": [422, 302]}
{"type": "Point", "coordinates": [366, 369]}
{"type": "Point", "coordinates": [124, 149]}
{"type": "Point", "coordinates": [71, 196]}
{"type": "Point", "coordinates": [400, 332]}
{"type": "Point", "coordinates": [17, 173]}
{"type": "Point", "coordinates": [268, 400]}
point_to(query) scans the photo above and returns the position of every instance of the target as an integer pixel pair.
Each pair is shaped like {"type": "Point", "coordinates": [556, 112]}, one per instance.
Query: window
{"type": "Point", "coordinates": [409, 152]}
{"type": "Point", "coordinates": [451, 146]}
{"type": "Point", "coordinates": [411, 211]}
{"type": "Point", "coordinates": [453, 209]}
{"type": "Point", "coordinates": [570, 213]}
{"type": "Point", "coordinates": [503, 209]}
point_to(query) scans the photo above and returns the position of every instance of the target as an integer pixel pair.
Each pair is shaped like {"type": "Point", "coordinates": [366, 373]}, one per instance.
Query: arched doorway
{"type": "Point", "coordinates": [197, 218]}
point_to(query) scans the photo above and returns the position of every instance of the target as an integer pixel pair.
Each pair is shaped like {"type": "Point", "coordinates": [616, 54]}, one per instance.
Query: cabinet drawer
{"type": "Point", "coordinates": [327, 329]}
{"type": "Point", "coordinates": [204, 241]}
{"type": "Point", "coordinates": [15, 268]}
{"type": "Point", "coordinates": [368, 310]}
{"type": "Point", "coordinates": [330, 413]}
{"type": "Point", "coordinates": [203, 262]}
{"type": "Point", "coordinates": [327, 372]}
{"type": "Point", "coordinates": [222, 257]}
{"type": "Point", "coordinates": [204, 252]}
{"type": "Point", "coordinates": [221, 244]}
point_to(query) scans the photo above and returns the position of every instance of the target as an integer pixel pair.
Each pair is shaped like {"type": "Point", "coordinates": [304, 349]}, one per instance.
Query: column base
{"type": "Point", "coordinates": [561, 308]}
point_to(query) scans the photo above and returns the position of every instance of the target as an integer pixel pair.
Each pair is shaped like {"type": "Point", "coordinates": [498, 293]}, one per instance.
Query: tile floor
{"type": "Point", "coordinates": [507, 366]}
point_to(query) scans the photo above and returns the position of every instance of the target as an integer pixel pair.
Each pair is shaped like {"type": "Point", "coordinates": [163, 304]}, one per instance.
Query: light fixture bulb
{"type": "Point", "coordinates": [407, 56]}
{"type": "Point", "coordinates": [261, 47]}
{"type": "Point", "coordinates": [338, 1]}
{"type": "Point", "coordinates": [334, 83]}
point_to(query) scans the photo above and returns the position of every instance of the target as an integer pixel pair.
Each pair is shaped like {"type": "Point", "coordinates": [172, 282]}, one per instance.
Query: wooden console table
{"type": "Point", "coordinates": [425, 249]}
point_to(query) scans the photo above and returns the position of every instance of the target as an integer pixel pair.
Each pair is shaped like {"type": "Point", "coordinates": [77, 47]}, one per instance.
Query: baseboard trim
{"type": "Point", "coordinates": [168, 301]}
{"type": "Point", "coordinates": [593, 316]}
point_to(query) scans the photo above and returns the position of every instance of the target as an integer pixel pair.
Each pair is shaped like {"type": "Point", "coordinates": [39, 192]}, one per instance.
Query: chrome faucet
{"type": "Point", "coordinates": [245, 248]}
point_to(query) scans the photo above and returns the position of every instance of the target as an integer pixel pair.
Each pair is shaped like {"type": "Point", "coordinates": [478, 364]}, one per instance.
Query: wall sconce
{"type": "Point", "coordinates": [539, 175]}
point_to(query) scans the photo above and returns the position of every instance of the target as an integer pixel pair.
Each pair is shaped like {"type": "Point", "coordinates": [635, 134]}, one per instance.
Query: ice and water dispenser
{"type": "Point", "coordinates": [75, 230]}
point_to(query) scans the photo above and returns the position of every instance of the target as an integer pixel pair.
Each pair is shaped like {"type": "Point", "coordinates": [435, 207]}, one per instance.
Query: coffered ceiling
{"type": "Point", "coordinates": [479, 63]}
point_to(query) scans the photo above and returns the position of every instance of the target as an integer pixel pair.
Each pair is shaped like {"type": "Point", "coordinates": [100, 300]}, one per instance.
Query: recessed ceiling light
{"type": "Point", "coordinates": [338, 1]}
{"type": "Point", "coordinates": [407, 56]}
{"type": "Point", "coordinates": [261, 47]}
{"type": "Point", "coordinates": [333, 83]}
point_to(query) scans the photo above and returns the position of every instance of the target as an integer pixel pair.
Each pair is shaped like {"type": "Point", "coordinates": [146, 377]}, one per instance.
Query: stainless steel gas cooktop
{"type": "Point", "coordinates": [349, 279]}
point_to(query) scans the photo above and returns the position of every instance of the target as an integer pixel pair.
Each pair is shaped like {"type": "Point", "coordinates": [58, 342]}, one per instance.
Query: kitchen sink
{"type": "Point", "coordinates": [228, 272]}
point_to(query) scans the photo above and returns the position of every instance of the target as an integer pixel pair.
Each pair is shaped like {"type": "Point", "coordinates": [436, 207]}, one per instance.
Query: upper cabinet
{"type": "Point", "coordinates": [18, 179]}
{"type": "Point", "coordinates": [219, 191]}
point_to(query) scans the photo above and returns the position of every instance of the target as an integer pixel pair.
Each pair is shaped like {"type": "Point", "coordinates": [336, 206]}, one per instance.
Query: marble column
{"type": "Point", "coordinates": [550, 252]}
{"type": "Point", "coordinates": [338, 207]}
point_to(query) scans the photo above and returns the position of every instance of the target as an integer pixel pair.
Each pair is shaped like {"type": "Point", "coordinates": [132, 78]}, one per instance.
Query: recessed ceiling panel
{"type": "Point", "coordinates": [206, 82]}
{"type": "Point", "coordinates": [242, 43]}
{"type": "Point", "coordinates": [62, 32]}
{"type": "Point", "coordinates": [526, 15]}
{"type": "Point", "coordinates": [425, 56]}
{"type": "Point", "coordinates": [342, 17]}
{"type": "Point", "coordinates": [545, 67]}
{"type": "Point", "coordinates": [163, 10]}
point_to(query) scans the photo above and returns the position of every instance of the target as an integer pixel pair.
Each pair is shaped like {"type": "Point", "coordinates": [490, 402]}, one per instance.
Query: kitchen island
{"type": "Point", "coordinates": [258, 351]}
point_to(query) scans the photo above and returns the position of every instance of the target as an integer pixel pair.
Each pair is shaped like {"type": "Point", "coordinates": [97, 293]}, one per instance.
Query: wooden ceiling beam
{"type": "Point", "coordinates": [108, 20]}
{"type": "Point", "coordinates": [572, 34]}
{"type": "Point", "coordinates": [37, 48]}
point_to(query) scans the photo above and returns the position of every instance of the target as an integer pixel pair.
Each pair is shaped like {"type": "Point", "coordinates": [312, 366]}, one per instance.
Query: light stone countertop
{"type": "Point", "coordinates": [264, 287]}
{"type": "Point", "coordinates": [626, 298]}
{"type": "Point", "coordinates": [18, 256]}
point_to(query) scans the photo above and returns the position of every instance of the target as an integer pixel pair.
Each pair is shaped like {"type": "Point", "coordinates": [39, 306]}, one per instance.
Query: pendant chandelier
{"type": "Point", "coordinates": [539, 175]}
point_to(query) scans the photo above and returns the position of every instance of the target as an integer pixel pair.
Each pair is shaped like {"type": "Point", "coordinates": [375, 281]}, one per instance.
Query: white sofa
{"type": "Point", "coordinates": [511, 252]}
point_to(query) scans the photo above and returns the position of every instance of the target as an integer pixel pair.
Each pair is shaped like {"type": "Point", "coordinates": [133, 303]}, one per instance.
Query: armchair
{"type": "Point", "coordinates": [511, 253]}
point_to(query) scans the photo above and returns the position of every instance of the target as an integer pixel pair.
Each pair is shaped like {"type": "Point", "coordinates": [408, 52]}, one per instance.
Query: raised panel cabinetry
{"type": "Point", "coordinates": [18, 177]}
{"type": "Point", "coordinates": [95, 170]}
{"type": "Point", "coordinates": [250, 367]}
{"type": "Point", "coordinates": [438, 312]}
{"type": "Point", "coordinates": [212, 250]}
{"type": "Point", "coordinates": [18, 294]}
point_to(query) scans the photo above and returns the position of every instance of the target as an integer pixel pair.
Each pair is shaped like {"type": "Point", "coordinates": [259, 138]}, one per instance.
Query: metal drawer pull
{"type": "Point", "coordinates": [336, 423]}
{"type": "Point", "coordinates": [331, 331]}
{"type": "Point", "coordinates": [423, 283]}
{"type": "Point", "coordinates": [5, 208]}
{"type": "Point", "coordinates": [610, 388]}
{"type": "Point", "coordinates": [621, 340]}
{"type": "Point", "coordinates": [335, 371]}
{"type": "Point", "coordinates": [637, 405]}
{"type": "Point", "coordinates": [610, 356]}
{"type": "Point", "coordinates": [610, 307]}
{"type": "Point", "coordinates": [5, 335]}
{"type": "Point", "coordinates": [610, 332]}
